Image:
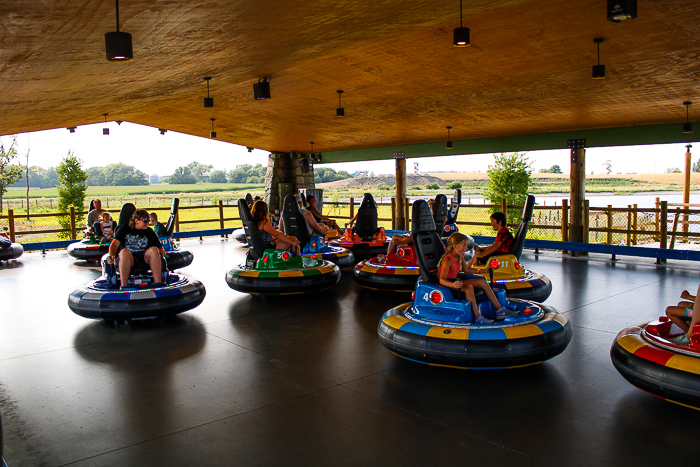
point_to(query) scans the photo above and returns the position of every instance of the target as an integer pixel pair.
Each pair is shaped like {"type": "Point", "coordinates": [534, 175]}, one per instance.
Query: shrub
{"type": "Point", "coordinates": [433, 186]}
{"type": "Point", "coordinates": [454, 185]}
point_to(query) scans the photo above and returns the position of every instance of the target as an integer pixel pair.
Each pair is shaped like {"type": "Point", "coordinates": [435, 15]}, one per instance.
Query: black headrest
{"type": "Point", "coordinates": [4, 242]}
{"type": "Point", "coordinates": [125, 214]}
{"type": "Point", "coordinates": [422, 218]}
{"type": "Point", "coordinates": [521, 233]}
{"type": "Point", "coordinates": [294, 223]}
{"type": "Point", "coordinates": [366, 224]}
{"type": "Point", "coordinates": [528, 208]}
{"type": "Point", "coordinates": [454, 206]}
{"type": "Point", "coordinates": [440, 213]}
{"type": "Point", "coordinates": [256, 246]}
{"type": "Point", "coordinates": [170, 225]}
{"type": "Point", "coordinates": [429, 247]}
{"type": "Point", "coordinates": [243, 211]}
{"type": "Point", "coordinates": [249, 199]}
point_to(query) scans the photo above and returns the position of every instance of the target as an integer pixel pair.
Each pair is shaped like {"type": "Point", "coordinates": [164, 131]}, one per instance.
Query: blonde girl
{"type": "Point", "coordinates": [449, 267]}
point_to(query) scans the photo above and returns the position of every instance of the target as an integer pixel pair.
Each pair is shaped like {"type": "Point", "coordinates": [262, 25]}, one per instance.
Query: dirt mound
{"type": "Point", "coordinates": [388, 180]}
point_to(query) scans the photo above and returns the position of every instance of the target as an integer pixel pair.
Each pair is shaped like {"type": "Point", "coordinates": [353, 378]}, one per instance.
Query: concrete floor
{"type": "Point", "coordinates": [303, 380]}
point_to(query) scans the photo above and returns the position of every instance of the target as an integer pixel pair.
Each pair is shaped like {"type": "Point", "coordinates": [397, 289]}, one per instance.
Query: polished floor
{"type": "Point", "coordinates": [304, 380]}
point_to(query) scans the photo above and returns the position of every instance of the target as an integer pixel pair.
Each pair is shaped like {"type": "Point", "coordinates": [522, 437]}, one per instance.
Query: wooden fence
{"type": "Point", "coordinates": [604, 225]}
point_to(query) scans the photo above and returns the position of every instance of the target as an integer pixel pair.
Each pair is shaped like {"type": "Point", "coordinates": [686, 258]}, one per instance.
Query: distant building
{"type": "Point", "coordinates": [154, 178]}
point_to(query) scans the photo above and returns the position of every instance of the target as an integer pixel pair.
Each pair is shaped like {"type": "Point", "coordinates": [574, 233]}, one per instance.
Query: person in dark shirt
{"type": "Point", "coordinates": [158, 227]}
{"type": "Point", "coordinates": [140, 246]}
{"type": "Point", "coordinates": [504, 239]}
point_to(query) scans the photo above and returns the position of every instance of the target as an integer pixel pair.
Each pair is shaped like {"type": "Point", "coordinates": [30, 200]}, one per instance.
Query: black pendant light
{"type": "Point", "coordinates": [105, 130]}
{"type": "Point", "coordinates": [598, 70]}
{"type": "Point", "coordinates": [118, 44]}
{"type": "Point", "coordinates": [687, 126]}
{"type": "Point", "coordinates": [340, 111]}
{"type": "Point", "coordinates": [261, 89]}
{"type": "Point", "coordinates": [208, 101]}
{"type": "Point", "coordinates": [213, 133]}
{"type": "Point", "coordinates": [162, 131]}
{"type": "Point", "coordinates": [621, 10]}
{"type": "Point", "coordinates": [448, 145]}
{"type": "Point", "coordinates": [71, 129]}
{"type": "Point", "coordinates": [461, 34]}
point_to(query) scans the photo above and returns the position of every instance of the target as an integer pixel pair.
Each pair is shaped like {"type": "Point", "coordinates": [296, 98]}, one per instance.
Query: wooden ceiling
{"type": "Point", "coordinates": [528, 70]}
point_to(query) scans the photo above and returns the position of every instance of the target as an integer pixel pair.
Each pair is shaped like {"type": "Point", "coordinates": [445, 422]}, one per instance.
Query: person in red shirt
{"type": "Point", "coordinates": [504, 239]}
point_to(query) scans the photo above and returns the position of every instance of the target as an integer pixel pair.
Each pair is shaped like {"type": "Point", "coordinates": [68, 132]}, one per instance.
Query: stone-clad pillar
{"type": "Point", "coordinates": [577, 191]}
{"type": "Point", "coordinates": [286, 175]}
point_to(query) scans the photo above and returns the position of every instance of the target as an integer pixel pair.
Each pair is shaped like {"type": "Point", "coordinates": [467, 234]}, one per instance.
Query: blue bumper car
{"type": "Point", "coordinates": [437, 328]}
{"type": "Point", "coordinates": [104, 299]}
{"type": "Point", "coordinates": [8, 249]}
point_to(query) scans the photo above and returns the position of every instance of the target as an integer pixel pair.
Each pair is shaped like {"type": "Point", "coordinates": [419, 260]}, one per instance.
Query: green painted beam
{"type": "Point", "coordinates": [626, 136]}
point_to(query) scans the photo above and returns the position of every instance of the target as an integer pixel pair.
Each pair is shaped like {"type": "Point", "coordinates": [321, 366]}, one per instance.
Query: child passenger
{"type": "Point", "coordinates": [504, 239]}
{"type": "Point", "coordinates": [107, 226]}
{"type": "Point", "coordinates": [683, 312]}
{"type": "Point", "coordinates": [449, 267]}
{"type": "Point", "coordinates": [272, 237]}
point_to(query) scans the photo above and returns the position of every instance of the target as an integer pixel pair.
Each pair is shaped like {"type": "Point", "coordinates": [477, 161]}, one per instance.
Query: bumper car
{"type": "Point", "coordinates": [8, 249]}
{"type": "Point", "coordinates": [398, 272]}
{"type": "Point", "coordinates": [104, 299]}
{"type": "Point", "coordinates": [312, 246]}
{"type": "Point", "coordinates": [509, 274]}
{"type": "Point", "coordinates": [365, 240]}
{"type": "Point", "coordinates": [647, 357]}
{"type": "Point", "coordinates": [438, 328]}
{"type": "Point", "coordinates": [277, 272]}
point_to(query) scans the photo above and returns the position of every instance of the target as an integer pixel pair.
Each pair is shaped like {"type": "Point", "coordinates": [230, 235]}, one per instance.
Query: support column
{"type": "Point", "coordinates": [400, 190]}
{"type": "Point", "coordinates": [286, 174]}
{"type": "Point", "coordinates": [577, 191]}
{"type": "Point", "coordinates": [686, 188]}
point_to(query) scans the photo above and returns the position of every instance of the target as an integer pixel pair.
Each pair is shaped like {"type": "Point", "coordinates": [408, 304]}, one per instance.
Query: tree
{"type": "Point", "coordinates": [9, 172]}
{"type": "Point", "coordinates": [122, 175]}
{"type": "Point", "coordinates": [72, 190]}
{"type": "Point", "coordinates": [217, 176]}
{"type": "Point", "coordinates": [673, 170]}
{"type": "Point", "coordinates": [509, 178]}
{"type": "Point", "coordinates": [455, 185]}
{"type": "Point", "coordinates": [555, 169]}
{"type": "Point", "coordinates": [200, 171]}
{"type": "Point", "coordinates": [182, 175]}
{"type": "Point", "coordinates": [696, 167]}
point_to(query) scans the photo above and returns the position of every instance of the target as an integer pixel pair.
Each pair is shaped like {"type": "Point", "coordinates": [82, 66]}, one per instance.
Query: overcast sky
{"type": "Point", "coordinates": [146, 149]}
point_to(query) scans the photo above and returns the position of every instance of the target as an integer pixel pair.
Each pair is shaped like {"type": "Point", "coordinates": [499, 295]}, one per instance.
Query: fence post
{"type": "Point", "coordinates": [352, 208]}
{"type": "Point", "coordinates": [656, 220]}
{"type": "Point", "coordinates": [565, 220]}
{"type": "Point", "coordinates": [586, 221]}
{"type": "Point", "coordinates": [177, 221]}
{"type": "Point", "coordinates": [393, 213]}
{"type": "Point", "coordinates": [73, 234]}
{"type": "Point", "coordinates": [407, 215]}
{"type": "Point", "coordinates": [11, 221]}
{"type": "Point", "coordinates": [663, 229]}
{"type": "Point", "coordinates": [629, 224]}
{"type": "Point", "coordinates": [504, 206]}
{"type": "Point", "coordinates": [221, 214]}
{"type": "Point", "coordinates": [609, 240]}
{"type": "Point", "coordinates": [634, 224]}
{"type": "Point", "coordinates": [675, 227]}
